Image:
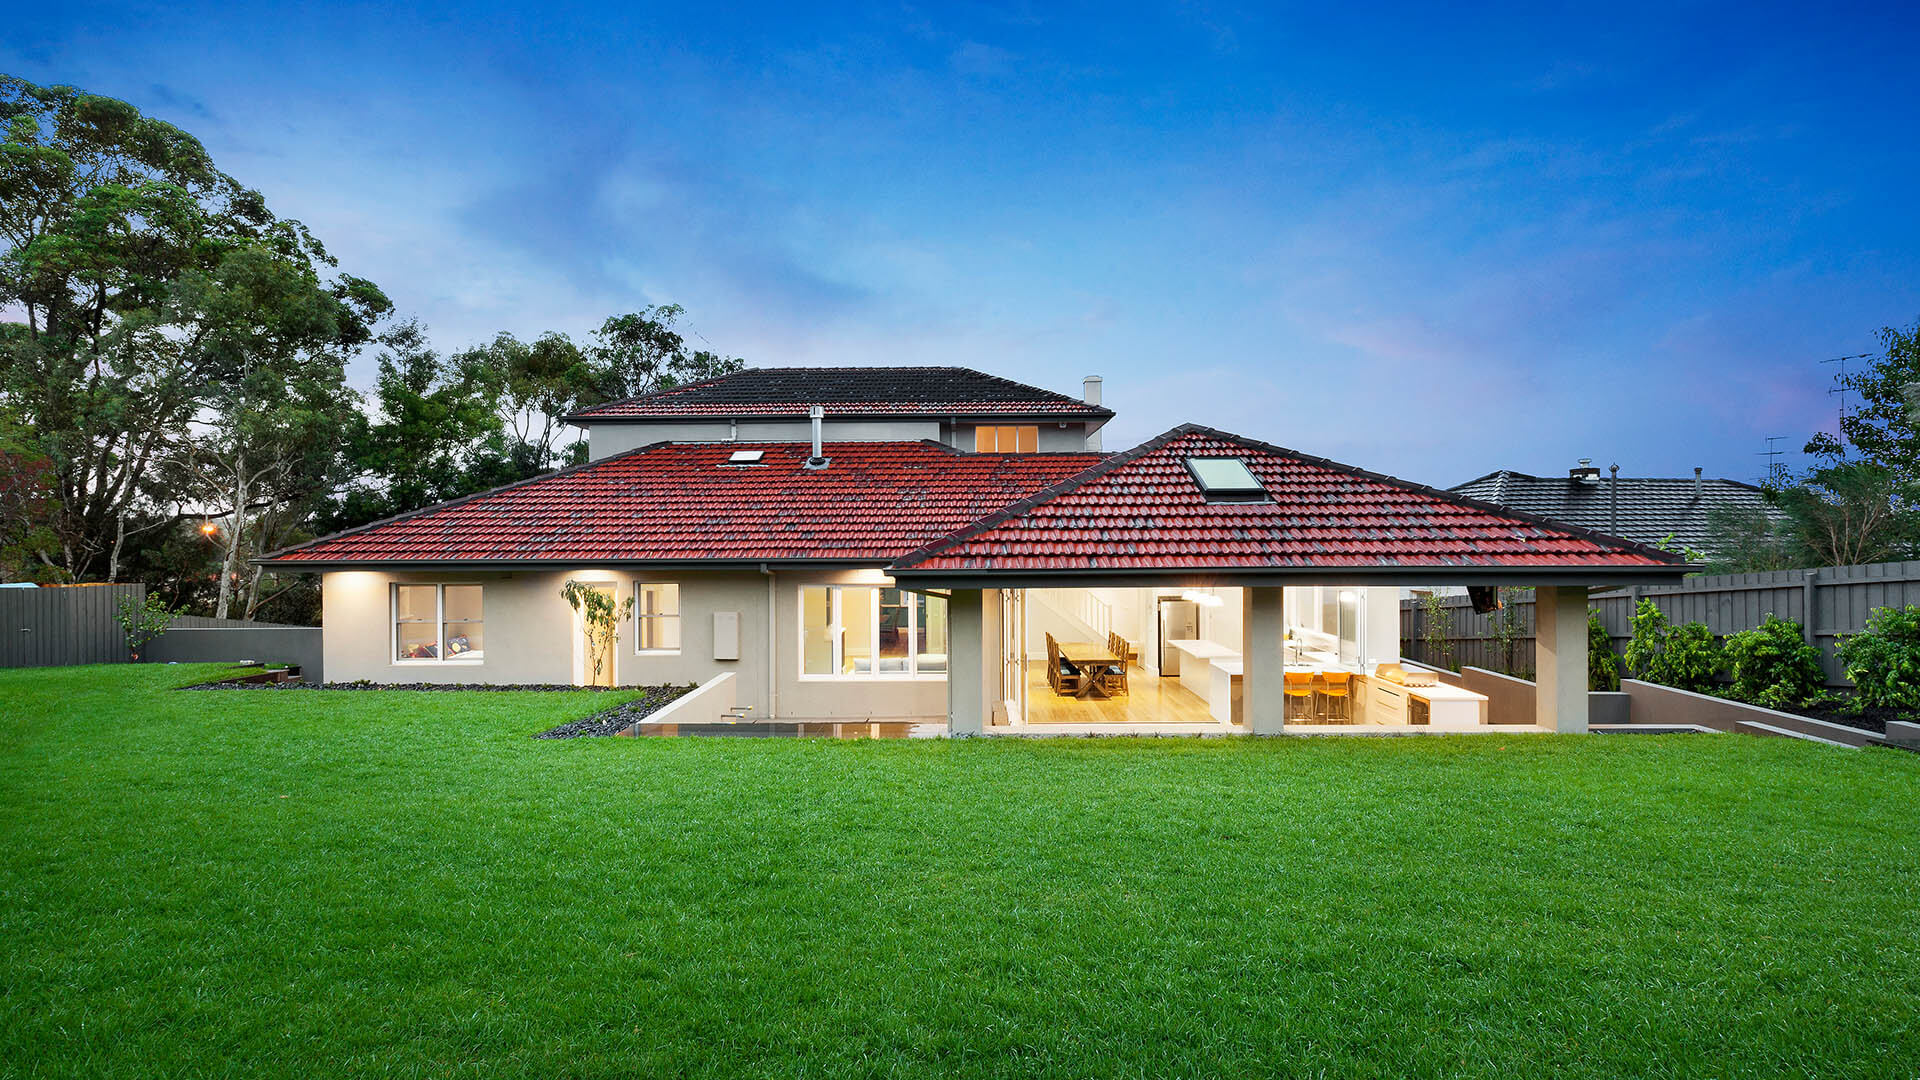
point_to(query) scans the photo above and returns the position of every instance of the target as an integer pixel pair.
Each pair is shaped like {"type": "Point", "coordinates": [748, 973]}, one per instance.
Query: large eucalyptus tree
{"type": "Point", "coordinates": [147, 300]}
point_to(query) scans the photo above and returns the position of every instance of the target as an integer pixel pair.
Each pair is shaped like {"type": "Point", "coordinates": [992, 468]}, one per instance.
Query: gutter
{"type": "Point", "coordinates": [1195, 577]}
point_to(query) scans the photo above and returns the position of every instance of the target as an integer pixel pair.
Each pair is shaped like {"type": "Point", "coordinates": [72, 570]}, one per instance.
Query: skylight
{"type": "Point", "coordinates": [746, 457]}
{"type": "Point", "coordinates": [1225, 479]}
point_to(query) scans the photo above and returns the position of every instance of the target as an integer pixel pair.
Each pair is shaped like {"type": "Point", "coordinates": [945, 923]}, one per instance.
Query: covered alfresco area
{"type": "Point", "coordinates": [1264, 687]}
{"type": "Point", "coordinates": [1264, 587]}
{"type": "Point", "coordinates": [1173, 660]}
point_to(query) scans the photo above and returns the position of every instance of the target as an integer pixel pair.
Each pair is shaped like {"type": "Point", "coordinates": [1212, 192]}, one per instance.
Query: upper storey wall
{"type": "Point", "coordinates": [607, 439]}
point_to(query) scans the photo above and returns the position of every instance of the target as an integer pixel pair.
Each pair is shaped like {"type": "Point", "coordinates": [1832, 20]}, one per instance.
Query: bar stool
{"type": "Point", "coordinates": [1335, 701]}
{"type": "Point", "coordinates": [1299, 692]}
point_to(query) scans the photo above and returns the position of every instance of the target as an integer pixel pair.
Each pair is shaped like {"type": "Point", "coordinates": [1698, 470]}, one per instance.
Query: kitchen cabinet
{"type": "Point", "coordinates": [1441, 705]}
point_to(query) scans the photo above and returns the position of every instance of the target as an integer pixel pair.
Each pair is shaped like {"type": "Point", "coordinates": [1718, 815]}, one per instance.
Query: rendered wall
{"type": "Point", "coordinates": [531, 638]}
{"type": "Point", "coordinates": [1052, 438]}
{"type": "Point", "coordinates": [604, 440]}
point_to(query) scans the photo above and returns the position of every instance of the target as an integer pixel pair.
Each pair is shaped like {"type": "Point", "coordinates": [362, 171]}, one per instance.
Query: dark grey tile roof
{"type": "Point", "coordinates": [851, 391]}
{"type": "Point", "coordinates": [1650, 508]}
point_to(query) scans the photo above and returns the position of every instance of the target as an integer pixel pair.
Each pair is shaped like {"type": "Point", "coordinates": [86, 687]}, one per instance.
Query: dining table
{"type": "Point", "coordinates": [1091, 657]}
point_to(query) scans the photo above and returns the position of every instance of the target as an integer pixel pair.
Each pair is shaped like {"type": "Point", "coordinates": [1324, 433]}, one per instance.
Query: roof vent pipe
{"type": "Point", "coordinates": [818, 460]}
{"type": "Point", "coordinates": [1696, 481]}
{"type": "Point", "coordinates": [1613, 488]}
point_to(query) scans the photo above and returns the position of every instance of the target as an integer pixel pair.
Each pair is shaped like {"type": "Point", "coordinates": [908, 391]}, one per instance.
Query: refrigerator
{"type": "Point", "coordinates": [1179, 621]}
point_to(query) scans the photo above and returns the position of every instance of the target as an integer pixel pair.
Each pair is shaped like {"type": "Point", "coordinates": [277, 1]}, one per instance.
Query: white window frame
{"type": "Point", "coordinates": [837, 637]}
{"type": "Point", "coordinates": [439, 622]}
{"type": "Point", "coordinates": [679, 623]}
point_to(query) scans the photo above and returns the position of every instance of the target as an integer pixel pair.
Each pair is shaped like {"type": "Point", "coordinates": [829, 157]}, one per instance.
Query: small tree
{"type": "Point", "coordinates": [1437, 645]}
{"type": "Point", "coordinates": [1883, 660]}
{"type": "Point", "coordinates": [1603, 664]}
{"type": "Point", "coordinates": [1773, 665]}
{"type": "Point", "coordinates": [143, 622]}
{"type": "Point", "coordinates": [1506, 626]}
{"type": "Point", "coordinates": [600, 620]}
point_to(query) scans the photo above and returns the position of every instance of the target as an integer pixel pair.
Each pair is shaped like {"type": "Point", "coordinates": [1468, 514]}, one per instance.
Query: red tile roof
{"type": "Point", "coordinates": [1142, 510]}
{"type": "Point", "coordinates": [849, 392]}
{"type": "Point", "coordinates": [681, 502]}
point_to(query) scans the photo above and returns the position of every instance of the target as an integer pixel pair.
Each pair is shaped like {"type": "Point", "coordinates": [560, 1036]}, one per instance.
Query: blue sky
{"type": "Point", "coordinates": [1427, 242]}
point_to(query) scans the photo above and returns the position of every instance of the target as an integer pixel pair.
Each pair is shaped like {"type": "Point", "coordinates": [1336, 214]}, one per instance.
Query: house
{"type": "Point", "coordinates": [949, 548]}
{"type": "Point", "coordinates": [1673, 511]}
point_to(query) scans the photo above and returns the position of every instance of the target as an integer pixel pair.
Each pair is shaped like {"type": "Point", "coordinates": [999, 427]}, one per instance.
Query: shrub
{"type": "Point", "coordinates": [1686, 657]}
{"type": "Point", "coordinates": [1691, 659]}
{"type": "Point", "coordinates": [1883, 660]}
{"type": "Point", "coordinates": [1603, 664]}
{"type": "Point", "coordinates": [1773, 665]}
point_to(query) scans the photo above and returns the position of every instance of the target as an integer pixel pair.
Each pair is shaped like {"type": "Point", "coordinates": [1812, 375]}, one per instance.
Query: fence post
{"type": "Point", "coordinates": [1810, 607]}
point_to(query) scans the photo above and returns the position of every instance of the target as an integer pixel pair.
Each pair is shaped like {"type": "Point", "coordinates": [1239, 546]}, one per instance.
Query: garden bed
{"type": "Point", "coordinates": [251, 682]}
{"type": "Point", "coordinates": [619, 718]}
{"type": "Point", "coordinates": [1844, 712]}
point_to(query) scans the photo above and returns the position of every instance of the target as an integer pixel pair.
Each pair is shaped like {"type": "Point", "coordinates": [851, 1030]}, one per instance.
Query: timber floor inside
{"type": "Point", "coordinates": [1149, 700]}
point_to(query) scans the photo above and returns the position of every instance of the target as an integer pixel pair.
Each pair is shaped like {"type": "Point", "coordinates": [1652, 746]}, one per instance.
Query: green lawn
{"type": "Point", "coordinates": [245, 883]}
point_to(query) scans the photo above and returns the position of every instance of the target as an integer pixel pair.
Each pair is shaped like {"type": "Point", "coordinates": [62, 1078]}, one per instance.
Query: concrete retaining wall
{"type": "Point", "coordinates": [1661, 705]}
{"type": "Point", "coordinates": [705, 704]}
{"type": "Point", "coordinates": [265, 642]}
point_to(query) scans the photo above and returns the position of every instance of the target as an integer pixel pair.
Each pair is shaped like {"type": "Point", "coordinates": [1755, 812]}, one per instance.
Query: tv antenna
{"type": "Point", "coordinates": [1776, 468]}
{"type": "Point", "coordinates": [1840, 388]}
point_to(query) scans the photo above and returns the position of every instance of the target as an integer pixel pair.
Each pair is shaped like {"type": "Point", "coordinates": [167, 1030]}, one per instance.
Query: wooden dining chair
{"type": "Point", "coordinates": [1063, 675]}
{"type": "Point", "coordinates": [1299, 692]}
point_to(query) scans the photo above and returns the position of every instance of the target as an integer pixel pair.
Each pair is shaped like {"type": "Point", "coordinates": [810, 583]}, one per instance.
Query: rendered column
{"type": "Point", "coordinates": [967, 703]}
{"type": "Point", "coordinates": [1560, 658]}
{"type": "Point", "coordinates": [1263, 657]}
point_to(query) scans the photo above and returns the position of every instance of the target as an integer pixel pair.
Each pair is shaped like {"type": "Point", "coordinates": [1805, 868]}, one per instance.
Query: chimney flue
{"type": "Point", "coordinates": [1697, 485]}
{"type": "Point", "coordinates": [1613, 489]}
{"type": "Point", "coordinates": [1090, 393]}
{"type": "Point", "coordinates": [818, 460]}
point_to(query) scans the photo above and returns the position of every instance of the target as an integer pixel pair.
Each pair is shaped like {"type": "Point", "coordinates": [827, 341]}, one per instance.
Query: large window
{"type": "Point", "coordinates": [1006, 439]}
{"type": "Point", "coordinates": [861, 630]}
{"type": "Point", "coordinates": [438, 622]}
{"type": "Point", "coordinates": [656, 617]}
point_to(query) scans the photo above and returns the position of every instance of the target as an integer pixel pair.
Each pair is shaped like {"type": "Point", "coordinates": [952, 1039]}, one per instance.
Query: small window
{"type": "Point", "coordinates": [1226, 479]}
{"type": "Point", "coordinates": [1006, 439]}
{"type": "Point", "coordinates": [656, 617]}
{"type": "Point", "coordinates": [438, 622]}
{"type": "Point", "coordinates": [746, 457]}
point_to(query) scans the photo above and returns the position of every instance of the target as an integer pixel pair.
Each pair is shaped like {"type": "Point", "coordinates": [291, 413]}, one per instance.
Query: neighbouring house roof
{"type": "Point", "coordinates": [1650, 509]}
{"type": "Point", "coordinates": [1143, 511]}
{"type": "Point", "coordinates": [848, 392]}
{"type": "Point", "coordinates": [684, 503]}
